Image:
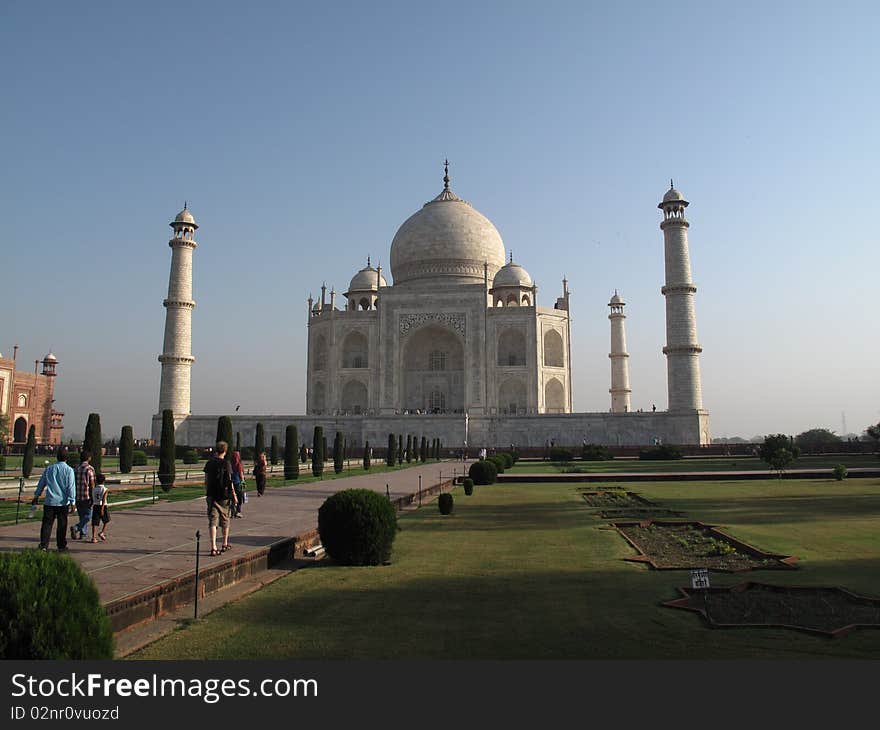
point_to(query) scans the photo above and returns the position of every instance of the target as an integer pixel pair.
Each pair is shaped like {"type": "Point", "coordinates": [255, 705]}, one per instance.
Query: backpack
{"type": "Point", "coordinates": [222, 487]}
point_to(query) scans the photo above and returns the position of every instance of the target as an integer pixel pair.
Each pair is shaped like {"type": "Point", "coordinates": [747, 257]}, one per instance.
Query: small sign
{"type": "Point", "coordinates": [700, 578]}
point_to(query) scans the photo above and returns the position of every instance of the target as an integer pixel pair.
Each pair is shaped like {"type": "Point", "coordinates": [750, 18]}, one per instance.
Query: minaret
{"type": "Point", "coordinates": [176, 357]}
{"type": "Point", "coordinates": [682, 349]}
{"type": "Point", "coordinates": [620, 389]}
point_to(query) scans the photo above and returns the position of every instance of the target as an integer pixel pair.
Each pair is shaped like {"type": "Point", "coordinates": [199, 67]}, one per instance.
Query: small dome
{"type": "Point", "coordinates": [50, 358]}
{"type": "Point", "coordinates": [512, 274]}
{"type": "Point", "coordinates": [617, 299]}
{"type": "Point", "coordinates": [366, 280]}
{"type": "Point", "coordinates": [185, 217]}
{"type": "Point", "coordinates": [672, 195]}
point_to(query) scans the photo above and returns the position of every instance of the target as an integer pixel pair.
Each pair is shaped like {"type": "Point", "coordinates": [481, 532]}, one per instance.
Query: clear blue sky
{"type": "Point", "coordinates": [303, 134]}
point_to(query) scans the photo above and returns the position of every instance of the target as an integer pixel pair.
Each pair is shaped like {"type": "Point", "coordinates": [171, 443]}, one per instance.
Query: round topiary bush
{"type": "Point", "coordinates": [840, 472]}
{"type": "Point", "coordinates": [483, 472]}
{"type": "Point", "coordinates": [499, 463]}
{"type": "Point", "coordinates": [50, 609]}
{"type": "Point", "coordinates": [508, 459]}
{"type": "Point", "coordinates": [191, 457]}
{"type": "Point", "coordinates": [468, 485]}
{"type": "Point", "coordinates": [138, 458]}
{"type": "Point", "coordinates": [445, 503]}
{"type": "Point", "coordinates": [357, 527]}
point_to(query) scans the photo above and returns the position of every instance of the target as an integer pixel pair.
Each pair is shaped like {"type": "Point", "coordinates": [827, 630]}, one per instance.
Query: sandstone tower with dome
{"type": "Point", "coordinates": [456, 346]}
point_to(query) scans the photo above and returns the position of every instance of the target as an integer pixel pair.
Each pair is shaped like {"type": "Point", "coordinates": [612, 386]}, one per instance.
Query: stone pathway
{"type": "Point", "coordinates": [151, 545]}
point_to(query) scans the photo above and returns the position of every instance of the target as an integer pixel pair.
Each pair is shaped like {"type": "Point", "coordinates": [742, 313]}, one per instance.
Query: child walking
{"type": "Point", "coordinates": [100, 510]}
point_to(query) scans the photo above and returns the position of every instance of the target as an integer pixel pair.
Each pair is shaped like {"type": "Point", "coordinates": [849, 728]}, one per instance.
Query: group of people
{"type": "Point", "coordinates": [225, 491]}
{"type": "Point", "coordinates": [87, 492]}
{"type": "Point", "coordinates": [67, 488]}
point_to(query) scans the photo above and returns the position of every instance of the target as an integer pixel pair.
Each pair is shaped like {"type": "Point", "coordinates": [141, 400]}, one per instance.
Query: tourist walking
{"type": "Point", "coordinates": [260, 469]}
{"type": "Point", "coordinates": [219, 495]}
{"type": "Point", "coordinates": [237, 482]}
{"type": "Point", "coordinates": [85, 483]}
{"type": "Point", "coordinates": [60, 484]}
{"type": "Point", "coordinates": [100, 508]}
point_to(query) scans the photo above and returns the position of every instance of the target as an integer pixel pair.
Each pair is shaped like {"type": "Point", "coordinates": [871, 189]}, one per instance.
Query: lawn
{"type": "Point", "coordinates": [730, 463]}
{"type": "Point", "coordinates": [525, 571]}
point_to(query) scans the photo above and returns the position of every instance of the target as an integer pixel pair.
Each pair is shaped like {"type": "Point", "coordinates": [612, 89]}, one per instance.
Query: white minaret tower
{"type": "Point", "coordinates": [620, 389]}
{"type": "Point", "coordinates": [682, 349]}
{"type": "Point", "coordinates": [176, 357]}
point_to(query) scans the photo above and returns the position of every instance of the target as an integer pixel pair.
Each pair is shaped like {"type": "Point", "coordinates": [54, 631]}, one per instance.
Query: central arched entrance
{"type": "Point", "coordinates": [19, 430]}
{"type": "Point", "coordinates": [433, 372]}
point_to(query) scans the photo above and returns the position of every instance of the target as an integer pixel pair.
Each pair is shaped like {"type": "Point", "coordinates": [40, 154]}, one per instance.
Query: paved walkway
{"type": "Point", "coordinates": [151, 545]}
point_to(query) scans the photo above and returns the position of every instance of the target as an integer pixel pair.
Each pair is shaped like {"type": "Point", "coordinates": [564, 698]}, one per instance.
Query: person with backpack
{"type": "Point", "coordinates": [219, 495]}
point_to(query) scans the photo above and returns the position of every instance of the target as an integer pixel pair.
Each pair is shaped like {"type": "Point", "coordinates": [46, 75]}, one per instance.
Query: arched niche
{"type": "Point", "coordinates": [319, 398]}
{"type": "Point", "coordinates": [433, 371]}
{"type": "Point", "coordinates": [554, 352]}
{"type": "Point", "coordinates": [512, 397]}
{"type": "Point", "coordinates": [319, 353]}
{"type": "Point", "coordinates": [554, 397]}
{"type": "Point", "coordinates": [355, 349]}
{"type": "Point", "coordinates": [511, 348]}
{"type": "Point", "coordinates": [354, 397]}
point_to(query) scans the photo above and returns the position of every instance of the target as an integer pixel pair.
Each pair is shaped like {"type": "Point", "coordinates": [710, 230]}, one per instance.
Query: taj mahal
{"type": "Point", "coordinates": [456, 347]}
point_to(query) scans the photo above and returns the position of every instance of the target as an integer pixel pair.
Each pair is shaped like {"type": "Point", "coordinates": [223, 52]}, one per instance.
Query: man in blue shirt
{"type": "Point", "coordinates": [60, 484]}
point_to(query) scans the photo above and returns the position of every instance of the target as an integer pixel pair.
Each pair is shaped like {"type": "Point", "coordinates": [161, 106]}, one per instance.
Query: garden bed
{"type": "Point", "coordinates": [617, 504]}
{"type": "Point", "coordinates": [825, 610]}
{"type": "Point", "coordinates": [683, 545]}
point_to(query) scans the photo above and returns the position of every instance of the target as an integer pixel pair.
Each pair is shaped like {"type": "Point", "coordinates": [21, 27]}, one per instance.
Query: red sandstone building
{"type": "Point", "coordinates": [26, 399]}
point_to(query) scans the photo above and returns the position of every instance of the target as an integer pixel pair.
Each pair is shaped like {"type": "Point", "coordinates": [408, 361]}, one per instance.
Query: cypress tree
{"type": "Point", "coordinates": [337, 453]}
{"type": "Point", "coordinates": [392, 443]}
{"type": "Point", "coordinates": [273, 450]}
{"type": "Point", "coordinates": [259, 441]}
{"type": "Point", "coordinates": [408, 448]}
{"type": "Point", "coordinates": [400, 448]}
{"type": "Point", "coordinates": [166, 451]}
{"type": "Point", "coordinates": [27, 462]}
{"type": "Point", "coordinates": [291, 453]}
{"type": "Point", "coordinates": [367, 456]}
{"type": "Point", "coordinates": [303, 455]}
{"type": "Point", "coordinates": [326, 453]}
{"type": "Point", "coordinates": [93, 441]}
{"type": "Point", "coordinates": [224, 431]}
{"type": "Point", "coordinates": [126, 449]}
{"type": "Point", "coordinates": [423, 455]}
{"type": "Point", "coordinates": [237, 444]}
{"type": "Point", "coordinates": [318, 451]}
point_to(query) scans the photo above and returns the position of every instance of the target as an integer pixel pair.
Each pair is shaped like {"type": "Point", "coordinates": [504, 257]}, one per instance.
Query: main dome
{"type": "Point", "coordinates": [446, 240]}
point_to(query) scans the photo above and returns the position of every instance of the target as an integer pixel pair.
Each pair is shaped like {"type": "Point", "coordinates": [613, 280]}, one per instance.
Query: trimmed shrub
{"type": "Point", "coordinates": [660, 453]}
{"type": "Point", "coordinates": [483, 472]}
{"type": "Point", "coordinates": [73, 458]}
{"type": "Point", "coordinates": [138, 458]}
{"type": "Point", "coordinates": [50, 609]}
{"type": "Point", "coordinates": [224, 431]}
{"type": "Point", "coordinates": [508, 459]}
{"type": "Point", "coordinates": [423, 451]}
{"type": "Point", "coordinates": [592, 452]}
{"type": "Point", "coordinates": [839, 472]}
{"type": "Point", "coordinates": [409, 444]}
{"type": "Point", "coordinates": [27, 462]}
{"type": "Point", "coordinates": [166, 451]}
{"type": "Point", "coordinates": [273, 450]}
{"type": "Point", "coordinates": [357, 527]}
{"type": "Point", "coordinates": [400, 448]}
{"type": "Point", "coordinates": [390, 456]}
{"type": "Point", "coordinates": [318, 451]}
{"type": "Point", "coordinates": [93, 441]}
{"type": "Point", "coordinates": [303, 454]}
{"type": "Point", "coordinates": [291, 453]}
{"type": "Point", "coordinates": [367, 456]}
{"type": "Point", "coordinates": [337, 453]}
{"type": "Point", "coordinates": [191, 457]}
{"type": "Point", "coordinates": [259, 441]}
{"type": "Point", "coordinates": [557, 454]}
{"type": "Point", "coordinates": [445, 503]}
{"type": "Point", "coordinates": [468, 485]}
{"type": "Point", "coordinates": [126, 447]}
{"type": "Point", "coordinates": [2, 461]}
{"type": "Point", "coordinates": [498, 462]}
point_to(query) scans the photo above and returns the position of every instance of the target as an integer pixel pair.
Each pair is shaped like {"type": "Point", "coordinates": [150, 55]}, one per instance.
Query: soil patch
{"type": "Point", "coordinates": [682, 545]}
{"type": "Point", "coordinates": [826, 610]}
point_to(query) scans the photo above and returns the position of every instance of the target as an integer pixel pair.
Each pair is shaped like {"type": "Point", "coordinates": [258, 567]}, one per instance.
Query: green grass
{"type": "Point", "coordinates": [524, 571]}
{"type": "Point", "coordinates": [693, 464]}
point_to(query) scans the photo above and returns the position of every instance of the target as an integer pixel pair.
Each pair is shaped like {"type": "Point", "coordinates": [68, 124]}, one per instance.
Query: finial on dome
{"type": "Point", "coordinates": [368, 262]}
{"type": "Point", "coordinates": [184, 205]}
{"type": "Point", "coordinates": [511, 258]}
{"type": "Point", "coordinates": [671, 186]}
{"type": "Point", "coordinates": [446, 175]}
